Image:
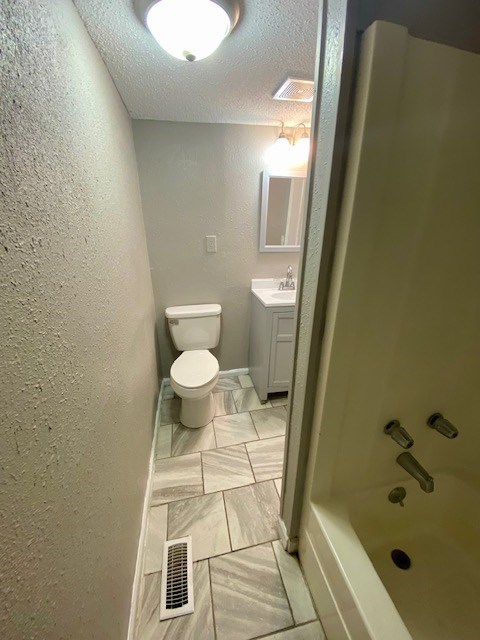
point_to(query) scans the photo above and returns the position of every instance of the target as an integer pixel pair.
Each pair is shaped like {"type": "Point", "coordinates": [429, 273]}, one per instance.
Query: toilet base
{"type": "Point", "coordinates": [197, 413]}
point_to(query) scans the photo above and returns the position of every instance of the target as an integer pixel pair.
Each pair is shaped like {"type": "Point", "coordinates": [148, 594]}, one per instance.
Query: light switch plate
{"type": "Point", "coordinates": [211, 244]}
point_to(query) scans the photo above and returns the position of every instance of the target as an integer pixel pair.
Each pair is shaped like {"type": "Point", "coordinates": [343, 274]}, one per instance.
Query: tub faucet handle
{"type": "Point", "coordinates": [400, 435]}
{"type": "Point", "coordinates": [442, 425]}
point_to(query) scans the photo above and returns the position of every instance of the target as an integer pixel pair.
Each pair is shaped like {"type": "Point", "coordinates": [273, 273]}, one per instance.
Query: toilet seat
{"type": "Point", "coordinates": [194, 373]}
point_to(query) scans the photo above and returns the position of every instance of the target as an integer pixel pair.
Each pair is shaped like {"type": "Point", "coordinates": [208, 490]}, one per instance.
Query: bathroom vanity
{"type": "Point", "coordinates": [271, 337]}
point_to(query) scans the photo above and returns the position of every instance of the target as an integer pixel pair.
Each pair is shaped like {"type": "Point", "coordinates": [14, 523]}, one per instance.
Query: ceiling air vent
{"type": "Point", "coordinates": [177, 583]}
{"type": "Point", "coordinates": [295, 90]}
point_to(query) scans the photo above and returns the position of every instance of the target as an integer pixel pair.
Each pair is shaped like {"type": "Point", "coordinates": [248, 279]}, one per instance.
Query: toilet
{"type": "Point", "coordinates": [195, 329]}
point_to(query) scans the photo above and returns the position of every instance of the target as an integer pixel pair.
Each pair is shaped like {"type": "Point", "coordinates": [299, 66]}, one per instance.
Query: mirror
{"type": "Point", "coordinates": [281, 221]}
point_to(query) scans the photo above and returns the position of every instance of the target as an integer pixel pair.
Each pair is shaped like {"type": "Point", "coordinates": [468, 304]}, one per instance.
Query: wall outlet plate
{"type": "Point", "coordinates": [211, 244]}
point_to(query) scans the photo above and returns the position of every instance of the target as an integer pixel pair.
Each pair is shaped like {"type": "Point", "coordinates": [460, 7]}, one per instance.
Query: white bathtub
{"type": "Point", "coordinates": [361, 594]}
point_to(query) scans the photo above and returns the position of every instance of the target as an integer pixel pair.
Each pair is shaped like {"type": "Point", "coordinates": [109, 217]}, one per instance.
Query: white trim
{"type": "Point", "coordinates": [263, 246]}
{"type": "Point", "coordinates": [290, 545]}
{"type": "Point", "coordinates": [234, 372]}
{"type": "Point", "coordinates": [143, 529]}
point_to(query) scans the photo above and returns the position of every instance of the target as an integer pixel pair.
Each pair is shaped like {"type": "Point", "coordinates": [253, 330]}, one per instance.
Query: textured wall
{"type": "Point", "coordinates": [78, 378]}
{"type": "Point", "coordinates": [199, 179]}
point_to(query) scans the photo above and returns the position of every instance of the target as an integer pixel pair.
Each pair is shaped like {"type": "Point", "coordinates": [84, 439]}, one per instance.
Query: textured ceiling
{"type": "Point", "coordinates": [273, 39]}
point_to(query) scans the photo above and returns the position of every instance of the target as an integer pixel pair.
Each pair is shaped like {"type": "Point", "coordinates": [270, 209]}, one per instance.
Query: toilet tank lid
{"type": "Point", "coordinates": [193, 311]}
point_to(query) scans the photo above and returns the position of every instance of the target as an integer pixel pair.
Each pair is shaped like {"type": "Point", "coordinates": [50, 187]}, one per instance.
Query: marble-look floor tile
{"type": "Point", "coordinates": [196, 626]}
{"type": "Point", "coordinates": [227, 383]}
{"type": "Point", "coordinates": [170, 411]}
{"type": "Point", "coordinates": [252, 514]}
{"type": "Point", "coordinates": [278, 484]}
{"type": "Point", "coordinates": [248, 595]}
{"type": "Point", "coordinates": [279, 400]}
{"type": "Point", "coordinates": [270, 422]}
{"type": "Point", "coordinates": [234, 429]}
{"type": "Point", "coordinates": [148, 606]}
{"type": "Point", "coordinates": [204, 519]}
{"type": "Point", "coordinates": [167, 392]}
{"type": "Point", "coordinates": [185, 440]}
{"type": "Point", "coordinates": [177, 479]}
{"type": "Point", "coordinates": [245, 381]}
{"type": "Point", "coordinates": [310, 631]}
{"type": "Point", "coordinates": [248, 400]}
{"type": "Point", "coordinates": [224, 404]}
{"type": "Point", "coordinates": [295, 586]}
{"type": "Point", "coordinates": [156, 536]}
{"type": "Point", "coordinates": [226, 468]}
{"type": "Point", "coordinates": [163, 446]}
{"type": "Point", "coordinates": [266, 457]}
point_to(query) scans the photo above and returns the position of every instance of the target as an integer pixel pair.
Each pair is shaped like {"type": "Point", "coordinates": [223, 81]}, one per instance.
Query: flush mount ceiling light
{"type": "Point", "coordinates": [189, 29]}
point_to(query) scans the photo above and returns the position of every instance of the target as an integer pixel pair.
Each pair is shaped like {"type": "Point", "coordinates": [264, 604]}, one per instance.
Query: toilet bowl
{"type": "Point", "coordinates": [195, 329]}
{"type": "Point", "coordinates": [193, 376]}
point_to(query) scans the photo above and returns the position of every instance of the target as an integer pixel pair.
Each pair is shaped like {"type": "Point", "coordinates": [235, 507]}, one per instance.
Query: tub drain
{"type": "Point", "coordinates": [401, 559]}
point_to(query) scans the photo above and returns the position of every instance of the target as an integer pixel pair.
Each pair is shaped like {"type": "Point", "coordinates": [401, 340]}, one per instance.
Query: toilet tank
{"type": "Point", "coordinates": [194, 326]}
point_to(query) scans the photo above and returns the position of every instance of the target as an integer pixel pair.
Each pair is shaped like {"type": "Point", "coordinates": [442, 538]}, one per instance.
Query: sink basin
{"type": "Point", "coordinates": [289, 295]}
{"type": "Point", "coordinates": [267, 291]}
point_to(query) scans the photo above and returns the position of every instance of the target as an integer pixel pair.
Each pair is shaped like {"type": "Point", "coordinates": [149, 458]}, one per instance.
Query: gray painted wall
{"type": "Point", "coordinates": [77, 334]}
{"type": "Point", "coordinates": [199, 179]}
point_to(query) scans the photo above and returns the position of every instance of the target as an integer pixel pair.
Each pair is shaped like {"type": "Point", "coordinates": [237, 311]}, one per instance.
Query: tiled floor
{"type": "Point", "coordinates": [221, 484]}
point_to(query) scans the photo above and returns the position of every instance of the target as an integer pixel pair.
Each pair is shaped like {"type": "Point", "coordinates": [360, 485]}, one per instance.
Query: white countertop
{"type": "Point", "coordinates": [267, 291]}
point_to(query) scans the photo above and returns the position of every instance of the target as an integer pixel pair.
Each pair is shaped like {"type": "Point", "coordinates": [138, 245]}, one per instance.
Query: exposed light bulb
{"type": "Point", "coordinates": [301, 151]}
{"type": "Point", "coordinates": [279, 154]}
{"type": "Point", "coordinates": [188, 29]}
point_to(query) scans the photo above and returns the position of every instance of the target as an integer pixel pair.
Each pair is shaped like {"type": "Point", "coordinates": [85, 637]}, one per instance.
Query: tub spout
{"type": "Point", "coordinates": [415, 469]}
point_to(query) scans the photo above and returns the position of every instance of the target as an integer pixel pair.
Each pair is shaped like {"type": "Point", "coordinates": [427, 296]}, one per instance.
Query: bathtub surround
{"type": "Point", "coordinates": [246, 584]}
{"type": "Point", "coordinates": [410, 195]}
{"type": "Point", "coordinates": [198, 180]}
{"type": "Point", "coordinates": [77, 322]}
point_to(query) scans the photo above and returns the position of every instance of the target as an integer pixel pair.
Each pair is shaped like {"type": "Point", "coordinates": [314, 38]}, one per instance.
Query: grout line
{"type": "Point", "coordinates": [211, 597]}
{"type": "Point", "coordinates": [253, 422]}
{"type": "Point", "coordinates": [214, 492]}
{"type": "Point", "coordinates": [251, 465]}
{"type": "Point", "coordinates": [283, 581]}
{"type": "Point", "coordinates": [228, 522]}
{"type": "Point", "coordinates": [290, 628]}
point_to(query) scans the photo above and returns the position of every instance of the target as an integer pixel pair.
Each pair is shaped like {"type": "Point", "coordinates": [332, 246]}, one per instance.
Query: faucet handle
{"type": "Point", "coordinates": [442, 425]}
{"type": "Point", "coordinates": [400, 435]}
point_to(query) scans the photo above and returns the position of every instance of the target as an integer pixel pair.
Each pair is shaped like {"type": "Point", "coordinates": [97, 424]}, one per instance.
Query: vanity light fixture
{"type": "Point", "coordinates": [189, 29]}
{"type": "Point", "coordinates": [279, 154]}
{"type": "Point", "coordinates": [301, 147]}
{"type": "Point", "coordinates": [286, 154]}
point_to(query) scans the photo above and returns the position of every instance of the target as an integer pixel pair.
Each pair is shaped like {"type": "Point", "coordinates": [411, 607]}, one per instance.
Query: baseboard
{"type": "Point", "coordinates": [143, 529]}
{"type": "Point", "coordinates": [289, 544]}
{"type": "Point", "coordinates": [234, 372]}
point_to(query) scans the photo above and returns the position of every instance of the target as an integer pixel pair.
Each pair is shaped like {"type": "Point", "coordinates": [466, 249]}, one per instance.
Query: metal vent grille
{"type": "Point", "coordinates": [295, 90]}
{"type": "Point", "coordinates": [177, 584]}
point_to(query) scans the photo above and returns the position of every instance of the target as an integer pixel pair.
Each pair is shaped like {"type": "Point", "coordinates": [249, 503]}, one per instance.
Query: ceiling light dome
{"type": "Point", "coordinates": [189, 29]}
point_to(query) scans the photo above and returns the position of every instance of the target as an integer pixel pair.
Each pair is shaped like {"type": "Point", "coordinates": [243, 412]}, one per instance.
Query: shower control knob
{"type": "Point", "coordinates": [400, 435]}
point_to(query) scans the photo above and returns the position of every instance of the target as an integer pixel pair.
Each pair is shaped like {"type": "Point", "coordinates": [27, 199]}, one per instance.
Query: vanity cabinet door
{"type": "Point", "coordinates": [281, 350]}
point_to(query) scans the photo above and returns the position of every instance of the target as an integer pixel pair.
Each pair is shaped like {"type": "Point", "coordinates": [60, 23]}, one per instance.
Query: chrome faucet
{"type": "Point", "coordinates": [442, 425]}
{"type": "Point", "coordinates": [289, 283]}
{"type": "Point", "coordinates": [415, 469]}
